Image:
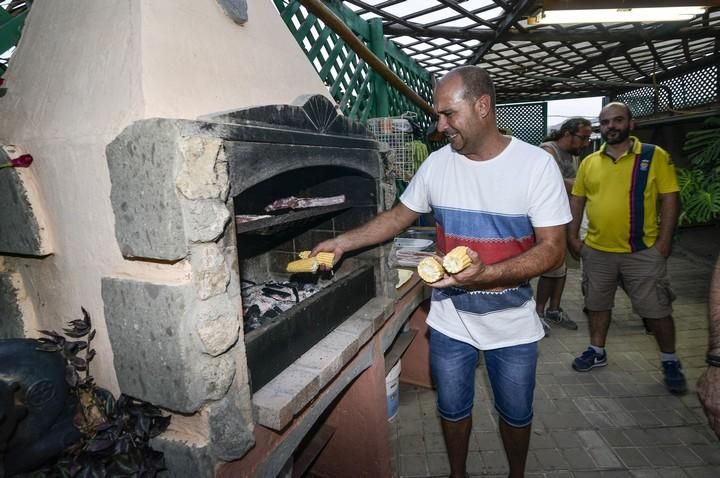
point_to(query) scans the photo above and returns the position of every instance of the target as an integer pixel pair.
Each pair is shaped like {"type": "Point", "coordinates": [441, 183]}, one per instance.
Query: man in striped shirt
{"type": "Point", "coordinates": [626, 186]}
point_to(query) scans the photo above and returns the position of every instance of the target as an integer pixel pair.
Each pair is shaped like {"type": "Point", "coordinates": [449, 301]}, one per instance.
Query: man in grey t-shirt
{"type": "Point", "coordinates": [564, 145]}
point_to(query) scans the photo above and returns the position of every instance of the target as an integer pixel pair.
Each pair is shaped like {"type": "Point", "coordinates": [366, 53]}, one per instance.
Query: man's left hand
{"type": "Point", "coordinates": [664, 247]}
{"type": "Point", "coordinates": [470, 278]}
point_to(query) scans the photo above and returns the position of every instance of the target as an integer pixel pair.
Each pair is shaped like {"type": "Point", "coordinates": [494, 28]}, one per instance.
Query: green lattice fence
{"type": "Point", "coordinates": [527, 121]}
{"type": "Point", "coordinates": [686, 91]}
{"type": "Point", "coordinates": [360, 92]}
{"type": "Point", "coordinates": [12, 19]}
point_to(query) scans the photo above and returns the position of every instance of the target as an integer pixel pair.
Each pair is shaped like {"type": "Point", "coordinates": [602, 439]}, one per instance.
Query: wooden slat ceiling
{"type": "Point", "coordinates": [542, 62]}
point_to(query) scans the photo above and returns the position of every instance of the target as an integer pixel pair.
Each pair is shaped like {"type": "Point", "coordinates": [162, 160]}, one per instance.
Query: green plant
{"type": "Point", "coordinates": [115, 433]}
{"type": "Point", "coordinates": [418, 152]}
{"type": "Point", "coordinates": [700, 183]}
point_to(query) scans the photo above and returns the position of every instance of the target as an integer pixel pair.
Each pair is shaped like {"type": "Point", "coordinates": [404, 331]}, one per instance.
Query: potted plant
{"type": "Point", "coordinates": [115, 433]}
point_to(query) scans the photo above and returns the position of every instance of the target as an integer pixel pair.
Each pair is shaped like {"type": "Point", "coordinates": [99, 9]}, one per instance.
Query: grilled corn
{"type": "Point", "coordinates": [430, 270]}
{"type": "Point", "coordinates": [323, 258]}
{"type": "Point", "coordinates": [457, 260]}
{"type": "Point", "coordinates": [304, 265]}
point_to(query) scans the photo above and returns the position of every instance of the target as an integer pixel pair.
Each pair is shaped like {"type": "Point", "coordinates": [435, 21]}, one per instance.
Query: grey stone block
{"type": "Point", "coordinates": [184, 460]}
{"type": "Point", "coordinates": [209, 271]}
{"type": "Point", "coordinates": [20, 232]}
{"type": "Point", "coordinates": [231, 426]}
{"type": "Point", "coordinates": [156, 350]}
{"type": "Point", "coordinates": [217, 324]}
{"type": "Point", "coordinates": [11, 320]}
{"type": "Point", "coordinates": [203, 174]}
{"type": "Point", "coordinates": [144, 161]}
{"type": "Point", "coordinates": [205, 219]}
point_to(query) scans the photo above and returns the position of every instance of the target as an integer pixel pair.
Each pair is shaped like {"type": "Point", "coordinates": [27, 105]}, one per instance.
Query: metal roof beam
{"type": "Point", "coordinates": [535, 35]}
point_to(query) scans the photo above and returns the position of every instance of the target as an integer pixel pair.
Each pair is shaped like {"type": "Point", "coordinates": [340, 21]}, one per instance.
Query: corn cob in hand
{"type": "Point", "coordinates": [304, 265]}
{"type": "Point", "coordinates": [430, 270]}
{"type": "Point", "coordinates": [457, 260]}
{"type": "Point", "coordinates": [324, 258]}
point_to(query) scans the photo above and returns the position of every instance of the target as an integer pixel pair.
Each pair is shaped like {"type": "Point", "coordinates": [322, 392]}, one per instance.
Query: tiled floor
{"type": "Point", "coordinates": [617, 421]}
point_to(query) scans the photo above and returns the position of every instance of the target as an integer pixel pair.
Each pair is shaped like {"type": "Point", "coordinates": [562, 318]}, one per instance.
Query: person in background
{"type": "Point", "coordinates": [564, 144]}
{"type": "Point", "coordinates": [625, 187]}
{"type": "Point", "coordinates": [708, 385]}
{"type": "Point", "coordinates": [505, 200]}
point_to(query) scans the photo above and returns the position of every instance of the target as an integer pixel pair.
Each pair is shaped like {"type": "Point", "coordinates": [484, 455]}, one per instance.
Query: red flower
{"type": "Point", "coordinates": [22, 161]}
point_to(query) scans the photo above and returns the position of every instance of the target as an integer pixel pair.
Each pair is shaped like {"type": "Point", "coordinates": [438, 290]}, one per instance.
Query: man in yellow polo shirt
{"type": "Point", "coordinates": [630, 192]}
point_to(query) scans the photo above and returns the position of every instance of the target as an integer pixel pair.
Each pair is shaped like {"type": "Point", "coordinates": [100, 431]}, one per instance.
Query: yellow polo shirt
{"type": "Point", "coordinates": [621, 197]}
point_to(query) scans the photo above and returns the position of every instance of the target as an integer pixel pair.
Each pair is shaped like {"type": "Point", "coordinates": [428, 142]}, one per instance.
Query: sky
{"type": "Point", "coordinates": [560, 110]}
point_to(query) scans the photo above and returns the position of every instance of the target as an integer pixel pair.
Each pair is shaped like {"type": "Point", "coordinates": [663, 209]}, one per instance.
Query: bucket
{"type": "Point", "coordinates": [392, 389]}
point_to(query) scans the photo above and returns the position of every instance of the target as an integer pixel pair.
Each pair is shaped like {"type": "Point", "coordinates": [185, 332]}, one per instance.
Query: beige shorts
{"type": "Point", "coordinates": [642, 275]}
{"type": "Point", "coordinates": [556, 273]}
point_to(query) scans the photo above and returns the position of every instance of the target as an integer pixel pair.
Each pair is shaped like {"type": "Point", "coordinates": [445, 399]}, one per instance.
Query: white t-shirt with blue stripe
{"type": "Point", "coordinates": [491, 206]}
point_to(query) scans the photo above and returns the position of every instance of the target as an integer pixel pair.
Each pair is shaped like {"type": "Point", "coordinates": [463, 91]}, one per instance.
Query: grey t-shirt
{"type": "Point", "coordinates": [567, 162]}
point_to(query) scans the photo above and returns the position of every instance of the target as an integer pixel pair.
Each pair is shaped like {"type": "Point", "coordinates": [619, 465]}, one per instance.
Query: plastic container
{"type": "Point", "coordinates": [411, 243]}
{"type": "Point", "coordinates": [392, 389]}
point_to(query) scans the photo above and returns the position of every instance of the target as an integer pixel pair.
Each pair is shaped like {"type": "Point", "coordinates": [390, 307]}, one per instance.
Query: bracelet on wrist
{"type": "Point", "coordinates": [712, 360]}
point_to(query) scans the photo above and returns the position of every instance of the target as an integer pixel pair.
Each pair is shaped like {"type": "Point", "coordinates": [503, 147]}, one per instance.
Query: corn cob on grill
{"type": "Point", "coordinates": [430, 270]}
{"type": "Point", "coordinates": [323, 258]}
{"type": "Point", "coordinates": [457, 260]}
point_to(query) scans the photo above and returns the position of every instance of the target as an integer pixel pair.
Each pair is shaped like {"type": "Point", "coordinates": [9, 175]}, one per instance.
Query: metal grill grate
{"type": "Point", "coordinates": [396, 132]}
{"type": "Point", "coordinates": [526, 121]}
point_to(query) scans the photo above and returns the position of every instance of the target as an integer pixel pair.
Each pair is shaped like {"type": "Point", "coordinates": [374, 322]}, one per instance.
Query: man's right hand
{"type": "Point", "coordinates": [574, 246]}
{"type": "Point", "coordinates": [331, 245]}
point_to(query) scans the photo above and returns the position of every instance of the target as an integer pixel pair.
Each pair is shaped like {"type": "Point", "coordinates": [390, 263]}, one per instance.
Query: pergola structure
{"type": "Point", "coordinates": [543, 62]}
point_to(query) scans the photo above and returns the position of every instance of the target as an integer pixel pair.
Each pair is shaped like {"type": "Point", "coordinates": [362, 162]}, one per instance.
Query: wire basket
{"type": "Point", "coordinates": [397, 133]}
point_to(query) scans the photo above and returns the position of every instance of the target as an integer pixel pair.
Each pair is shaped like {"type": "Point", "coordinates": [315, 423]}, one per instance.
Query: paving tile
{"type": "Point", "coordinates": [703, 472]}
{"type": "Point", "coordinates": [631, 457]}
{"type": "Point", "coordinates": [438, 464]}
{"type": "Point", "coordinates": [413, 465]}
{"type": "Point", "coordinates": [541, 440]}
{"type": "Point", "coordinates": [434, 443]}
{"type": "Point", "coordinates": [656, 456]}
{"type": "Point", "coordinates": [604, 457]}
{"type": "Point", "coordinates": [551, 459]}
{"type": "Point", "coordinates": [709, 454]}
{"type": "Point", "coordinates": [644, 473]}
{"type": "Point", "coordinates": [487, 440]}
{"type": "Point", "coordinates": [672, 473]}
{"type": "Point", "coordinates": [494, 462]}
{"type": "Point", "coordinates": [683, 456]}
{"type": "Point", "coordinates": [474, 464]}
{"type": "Point", "coordinates": [578, 459]}
{"type": "Point", "coordinates": [412, 445]}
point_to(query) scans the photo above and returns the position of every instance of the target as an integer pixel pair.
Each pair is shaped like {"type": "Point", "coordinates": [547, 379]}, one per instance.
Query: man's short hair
{"type": "Point", "coordinates": [622, 105]}
{"type": "Point", "coordinates": [477, 82]}
{"type": "Point", "coordinates": [571, 126]}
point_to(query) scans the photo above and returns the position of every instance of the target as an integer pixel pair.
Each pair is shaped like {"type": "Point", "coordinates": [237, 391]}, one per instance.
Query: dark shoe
{"type": "Point", "coordinates": [674, 377]}
{"type": "Point", "coordinates": [586, 311]}
{"type": "Point", "coordinates": [560, 318]}
{"type": "Point", "coordinates": [589, 360]}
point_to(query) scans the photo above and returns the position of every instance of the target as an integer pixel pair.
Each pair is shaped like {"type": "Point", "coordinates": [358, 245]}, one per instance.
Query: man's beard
{"type": "Point", "coordinates": [623, 134]}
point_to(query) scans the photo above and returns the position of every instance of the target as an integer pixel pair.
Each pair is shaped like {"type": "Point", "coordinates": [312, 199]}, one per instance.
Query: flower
{"type": "Point", "coordinates": [22, 161]}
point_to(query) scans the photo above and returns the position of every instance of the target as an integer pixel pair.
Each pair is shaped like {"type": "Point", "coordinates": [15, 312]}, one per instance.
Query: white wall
{"type": "Point", "coordinates": [86, 69]}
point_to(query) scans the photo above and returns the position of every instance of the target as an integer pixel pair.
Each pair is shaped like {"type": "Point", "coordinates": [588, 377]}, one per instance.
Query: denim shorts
{"type": "Point", "coordinates": [511, 371]}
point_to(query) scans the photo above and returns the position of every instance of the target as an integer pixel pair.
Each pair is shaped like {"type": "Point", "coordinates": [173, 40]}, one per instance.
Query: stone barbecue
{"type": "Point", "coordinates": [177, 186]}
